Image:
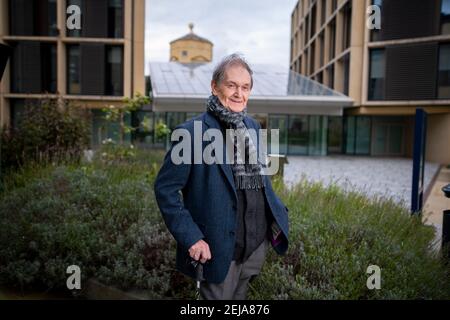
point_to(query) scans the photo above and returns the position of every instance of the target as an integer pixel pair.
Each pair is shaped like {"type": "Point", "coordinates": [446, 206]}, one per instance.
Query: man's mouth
{"type": "Point", "coordinates": [235, 101]}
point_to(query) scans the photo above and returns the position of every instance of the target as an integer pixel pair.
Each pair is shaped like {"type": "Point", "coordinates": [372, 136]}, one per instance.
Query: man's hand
{"type": "Point", "coordinates": [200, 251]}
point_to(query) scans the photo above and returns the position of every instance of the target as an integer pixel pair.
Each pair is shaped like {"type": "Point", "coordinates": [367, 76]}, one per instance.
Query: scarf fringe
{"type": "Point", "coordinates": [248, 182]}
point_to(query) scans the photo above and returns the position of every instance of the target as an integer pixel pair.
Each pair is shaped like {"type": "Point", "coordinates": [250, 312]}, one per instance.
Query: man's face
{"type": "Point", "coordinates": [234, 91]}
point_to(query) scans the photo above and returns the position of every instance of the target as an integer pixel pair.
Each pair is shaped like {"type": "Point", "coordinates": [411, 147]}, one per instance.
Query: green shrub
{"type": "Point", "coordinates": [104, 218]}
{"type": "Point", "coordinates": [48, 130]}
{"type": "Point", "coordinates": [335, 236]}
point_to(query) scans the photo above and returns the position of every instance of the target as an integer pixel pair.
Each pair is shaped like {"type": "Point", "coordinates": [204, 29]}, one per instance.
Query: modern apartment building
{"type": "Point", "coordinates": [94, 66]}
{"type": "Point", "coordinates": [388, 72]}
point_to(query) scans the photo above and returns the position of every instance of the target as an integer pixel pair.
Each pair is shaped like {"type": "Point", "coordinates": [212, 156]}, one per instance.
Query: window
{"type": "Point", "coordinates": [444, 72]}
{"type": "Point", "coordinates": [357, 133]}
{"type": "Point", "coordinates": [322, 49]}
{"type": "Point", "coordinates": [332, 51]}
{"type": "Point", "coordinates": [375, 34]}
{"type": "Point", "coordinates": [320, 77]}
{"type": "Point", "coordinates": [95, 69]}
{"type": "Point", "coordinates": [73, 70]}
{"type": "Point", "coordinates": [312, 67]}
{"type": "Point", "coordinates": [313, 20]}
{"type": "Point", "coordinates": [33, 18]}
{"type": "Point", "coordinates": [377, 74]}
{"type": "Point", "coordinates": [115, 18]}
{"type": "Point", "coordinates": [346, 39]}
{"type": "Point", "coordinates": [445, 17]}
{"type": "Point", "coordinates": [298, 135]}
{"type": "Point", "coordinates": [184, 53]}
{"type": "Point", "coordinates": [317, 144]}
{"type": "Point", "coordinates": [114, 71]}
{"type": "Point", "coordinates": [33, 67]}
{"type": "Point", "coordinates": [307, 30]}
{"type": "Point", "coordinates": [323, 12]}
{"type": "Point", "coordinates": [99, 18]}
{"type": "Point", "coordinates": [334, 135]}
{"type": "Point", "coordinates": [330, 71]}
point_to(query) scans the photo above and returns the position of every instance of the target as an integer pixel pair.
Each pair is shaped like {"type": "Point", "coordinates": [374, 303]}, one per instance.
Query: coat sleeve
{"type": "Point", "coordinates": [171, 179]}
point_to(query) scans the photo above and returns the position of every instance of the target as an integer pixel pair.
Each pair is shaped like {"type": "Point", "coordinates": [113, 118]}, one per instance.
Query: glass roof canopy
{"type": "Point", "coordinates": [185, 87]}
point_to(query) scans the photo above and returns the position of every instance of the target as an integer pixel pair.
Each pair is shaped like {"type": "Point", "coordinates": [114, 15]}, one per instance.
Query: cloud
{"type": "Point", "coordinates": [260, 29]}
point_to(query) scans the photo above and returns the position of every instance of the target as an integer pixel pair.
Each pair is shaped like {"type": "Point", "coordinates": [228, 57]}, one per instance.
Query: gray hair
{"type": "Point", "coordinates": [228, 61]}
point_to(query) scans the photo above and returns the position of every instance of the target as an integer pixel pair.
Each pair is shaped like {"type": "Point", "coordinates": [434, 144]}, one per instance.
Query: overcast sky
{"type": "Point", "coordinates": [260, 29]}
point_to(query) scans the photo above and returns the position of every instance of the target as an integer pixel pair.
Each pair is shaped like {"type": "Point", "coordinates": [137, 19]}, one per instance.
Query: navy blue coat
{"type": "Point", "coordinates": [207, 208]}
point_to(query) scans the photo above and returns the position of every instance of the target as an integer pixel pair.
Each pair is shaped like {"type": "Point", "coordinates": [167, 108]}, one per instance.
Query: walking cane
{"type": "Point", "coordinates": [198, 277]}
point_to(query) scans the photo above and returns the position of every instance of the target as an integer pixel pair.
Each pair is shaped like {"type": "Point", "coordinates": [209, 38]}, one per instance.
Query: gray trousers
{"type": "Point", "coordinates": [239, 275]}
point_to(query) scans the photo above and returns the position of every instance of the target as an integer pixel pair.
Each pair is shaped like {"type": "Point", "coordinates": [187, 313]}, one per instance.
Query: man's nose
{"type": "Point", "coordinates": [238, 91]}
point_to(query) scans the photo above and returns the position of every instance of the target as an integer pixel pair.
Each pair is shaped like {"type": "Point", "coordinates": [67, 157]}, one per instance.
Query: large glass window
{"type": "Point", "coordinates": [334, 135]}
{"type": "Point", "coordinates": [357, 135]}
{"type": "Point", "coordinates": [73, 70]}
{"type": "Point", "coordinates": [115, 18]}
{"type": "Point", "coordinates": [103, 129]}
{"type": "Point", "coordinates": [444, 72]}
{"type": "Point", "coordinates": [312, 67]}
{"type": "Point", "coordinates": [279, 122]}
{"type": "Point", "coordinates": [346, 39]}
{"type": "Point", "coordinates": [322, 49]}
{"type": "Point", "coordinates": [33, 67]}
{"type": "Point", "coordinates": [175, 118]}
{"type": "Point", "coordinates": [323, 11]}
{"type": "Point", "coordinates": [104, 77]}
{"type": "Point", "coordinates": [99, 18]}
{"type": "Point", "coordinates": [377, 74]}
{"type": "Point", "coordinates": [114, 71]}
{"type": "Point", "coordinates": [362, 139]}
{"type": "Point", "coordinates": [332, 49]}
{"type": "Point", "coordinates": [313, 20]}
{"type": "Point", "coordinates": [388, 136]}
{"type": "Point", "coordinates": [445, 17]}
{"type": "Point", "coordinates": [298, 135]}
{"type": "Point", "coordinates": [33, 18]}
{"type": "Point", "coordinates": [317, 135]}
{"type": "Point", "coordinates": [330, 72]}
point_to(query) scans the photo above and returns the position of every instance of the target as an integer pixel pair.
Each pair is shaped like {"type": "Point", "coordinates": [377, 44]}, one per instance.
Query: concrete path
{"type": "Point", "coordinates": [390, 177]}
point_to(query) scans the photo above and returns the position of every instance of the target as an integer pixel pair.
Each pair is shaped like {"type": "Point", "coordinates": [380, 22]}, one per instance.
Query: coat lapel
{"type": "Point", "coordinates": [212, 122]}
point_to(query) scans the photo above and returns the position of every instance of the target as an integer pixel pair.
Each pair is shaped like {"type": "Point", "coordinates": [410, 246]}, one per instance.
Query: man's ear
{"type": "Point", "coordinates": [213, 88]}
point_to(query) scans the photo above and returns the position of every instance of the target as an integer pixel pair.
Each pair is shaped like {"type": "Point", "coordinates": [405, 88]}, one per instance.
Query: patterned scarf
{"type": "Point", "coordinates": [246, 175]}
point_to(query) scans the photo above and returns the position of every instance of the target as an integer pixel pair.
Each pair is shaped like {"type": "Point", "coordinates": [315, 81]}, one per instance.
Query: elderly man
{"type": "Point", "coordinates": [228, 215]}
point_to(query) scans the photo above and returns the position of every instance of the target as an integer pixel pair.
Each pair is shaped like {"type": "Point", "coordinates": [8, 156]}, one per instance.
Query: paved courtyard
{"type": "Point", "coordinates": [390, 177]}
